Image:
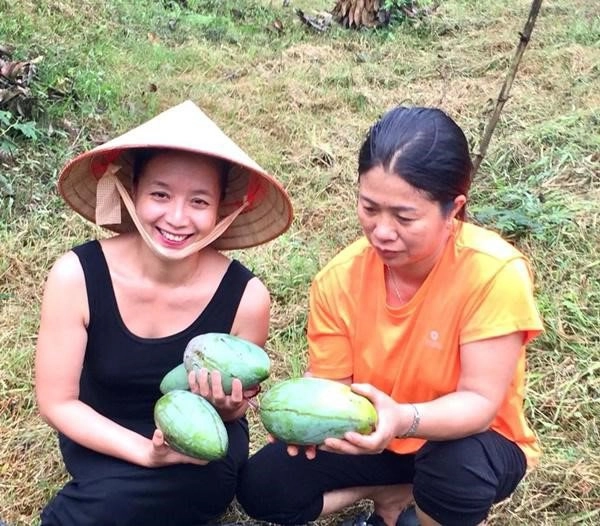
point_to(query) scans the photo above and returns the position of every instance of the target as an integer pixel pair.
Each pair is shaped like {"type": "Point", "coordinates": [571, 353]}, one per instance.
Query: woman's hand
{"type": "Point", "coordinates": [391, 417]}
{"type": "Point", "coordinates": [294, 450]}
{"type": "Point", "coordinates": [161, 454]}
{"type": "Point", "coordinates": [209, 386]}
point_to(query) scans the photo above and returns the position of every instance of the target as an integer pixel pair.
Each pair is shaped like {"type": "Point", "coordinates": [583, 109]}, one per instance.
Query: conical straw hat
{"type": "Point", "coordinates": [268, 210]}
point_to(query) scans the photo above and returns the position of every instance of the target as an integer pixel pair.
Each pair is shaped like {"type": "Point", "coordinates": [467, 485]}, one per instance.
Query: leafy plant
{"type": "Point", "coordinates": [519, 211]}
{"type": "Point", "coordinates": [12, 129]}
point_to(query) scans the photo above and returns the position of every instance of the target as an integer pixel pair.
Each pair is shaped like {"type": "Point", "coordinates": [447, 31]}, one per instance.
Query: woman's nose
{"type": "Point", "coordinates": [176, 213]}
{"type": "Point", "coordinates": [385, 230]}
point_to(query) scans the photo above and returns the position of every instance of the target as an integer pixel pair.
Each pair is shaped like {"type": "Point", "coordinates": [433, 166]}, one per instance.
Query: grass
{"type": "Point", "coordinates": [300, 102]}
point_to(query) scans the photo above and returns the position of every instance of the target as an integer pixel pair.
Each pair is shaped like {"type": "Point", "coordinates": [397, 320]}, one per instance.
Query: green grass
{"type": "Point", "coordinates": [300, 102]}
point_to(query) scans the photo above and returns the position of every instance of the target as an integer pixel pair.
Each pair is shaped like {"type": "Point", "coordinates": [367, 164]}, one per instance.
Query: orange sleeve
{"type": "Point", "coordinates": [329, 349]}
{"type": "Point", "coordinates": [505, 305]}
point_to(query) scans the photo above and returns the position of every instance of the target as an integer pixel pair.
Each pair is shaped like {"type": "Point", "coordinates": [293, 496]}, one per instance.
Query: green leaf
{"type": "Point", "coordinates": [28, 129]}
{"type": "Point", "coordinates": [8, 147]}
{"type": "Point", "coordinates": [5, 117]}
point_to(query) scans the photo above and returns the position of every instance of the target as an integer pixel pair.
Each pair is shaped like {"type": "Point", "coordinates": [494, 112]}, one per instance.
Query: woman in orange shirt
{"type": "Point", "coordinates": [427, 316]}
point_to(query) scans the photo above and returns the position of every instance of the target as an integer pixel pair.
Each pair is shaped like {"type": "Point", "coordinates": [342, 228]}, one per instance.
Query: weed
{"type": "Point", "coordinates": [13, 129]}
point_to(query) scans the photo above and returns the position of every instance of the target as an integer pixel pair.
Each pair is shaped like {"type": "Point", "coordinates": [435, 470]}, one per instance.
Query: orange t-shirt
{"type": "Point", "coordinates": [481, 287]}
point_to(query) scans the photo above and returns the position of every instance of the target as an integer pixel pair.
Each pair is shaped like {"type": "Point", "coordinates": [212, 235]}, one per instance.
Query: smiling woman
{"type": "Point", "coordinates": [118, 313]}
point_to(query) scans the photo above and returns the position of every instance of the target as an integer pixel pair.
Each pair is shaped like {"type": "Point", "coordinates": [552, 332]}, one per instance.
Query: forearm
{"type": "Point", "coordinates": [87, 427]}
{"type": "Point", "coordinates": [454, 415]}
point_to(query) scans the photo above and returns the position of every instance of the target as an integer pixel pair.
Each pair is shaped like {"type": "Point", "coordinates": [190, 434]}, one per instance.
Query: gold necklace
{"type": "Point", "coordinates": [394, 284]}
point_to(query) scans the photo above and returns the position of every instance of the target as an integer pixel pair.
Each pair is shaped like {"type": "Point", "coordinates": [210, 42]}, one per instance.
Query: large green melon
{"type": "Point", "coordinates": [233, 357]}
{"type": "Point", "coordinates": [306, 411]}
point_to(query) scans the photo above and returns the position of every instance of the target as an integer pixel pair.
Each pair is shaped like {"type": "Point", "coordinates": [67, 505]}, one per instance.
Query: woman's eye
{"type": "Point", "coordinates": [403, 219]}
{"type": "Point", "coordinates": [159, 195]}
{"type": "Point", "coordinates": [200, 202]}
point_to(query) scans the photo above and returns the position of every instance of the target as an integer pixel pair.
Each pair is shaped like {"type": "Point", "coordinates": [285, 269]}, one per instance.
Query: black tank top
{"type": "Point", "coordinates": [121, 372]}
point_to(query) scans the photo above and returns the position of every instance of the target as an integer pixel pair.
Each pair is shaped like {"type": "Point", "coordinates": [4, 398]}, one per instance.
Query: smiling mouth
{"type": "Point", "coordinates": [176, 238]}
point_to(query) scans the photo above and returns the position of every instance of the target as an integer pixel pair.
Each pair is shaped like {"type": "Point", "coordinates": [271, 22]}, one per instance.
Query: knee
{"type": "Point", "coordinates": [453, 483]}
{"type": "Point", "coordinates": [83, 503]}
{"type": "Point", "coordinates": [267, 489]}
{"type": "Point", "coordinates": [254, 491]}
{"type": "Point", "coordinates": [246, 490]}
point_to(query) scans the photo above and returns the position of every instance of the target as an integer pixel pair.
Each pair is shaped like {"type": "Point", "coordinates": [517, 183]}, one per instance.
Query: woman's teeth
{"type": "Point", "coordinates": [173, 237]}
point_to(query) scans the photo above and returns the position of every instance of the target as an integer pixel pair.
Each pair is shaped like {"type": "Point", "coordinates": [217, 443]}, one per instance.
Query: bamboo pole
{"type": "Point", "coordinates": [525, 36]}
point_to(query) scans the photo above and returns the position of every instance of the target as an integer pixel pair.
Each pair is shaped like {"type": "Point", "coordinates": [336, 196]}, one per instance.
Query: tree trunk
{"type": "Point", "coordinates": [358, 13]}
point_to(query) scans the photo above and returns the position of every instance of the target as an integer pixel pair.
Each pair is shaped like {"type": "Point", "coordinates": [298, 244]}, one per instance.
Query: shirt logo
{"type": "Point", "coordinates": [433, 340]}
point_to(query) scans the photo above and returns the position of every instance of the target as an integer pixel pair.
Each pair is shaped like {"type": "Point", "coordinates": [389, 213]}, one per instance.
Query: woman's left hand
{"type": "Point", "coordinates": [388, 414]}
{"type": "Point", "coordinates": [209, 385]}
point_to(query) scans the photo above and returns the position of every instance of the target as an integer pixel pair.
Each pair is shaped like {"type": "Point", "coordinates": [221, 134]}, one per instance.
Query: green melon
{"type": "Point", "coordinates": [191, 425]}
{"type": "Point", "coordinates": [233, 357]}
{"type": "Point", "coordinates": [176, 378]}
{"type": "Point", "coordinates": [306, 411]}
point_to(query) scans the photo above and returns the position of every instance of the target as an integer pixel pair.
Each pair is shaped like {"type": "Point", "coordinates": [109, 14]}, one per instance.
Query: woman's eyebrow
{"type": "Point", "coordinates": [162, 184]}
{"type": "Point", "coordinates": [400, 208]}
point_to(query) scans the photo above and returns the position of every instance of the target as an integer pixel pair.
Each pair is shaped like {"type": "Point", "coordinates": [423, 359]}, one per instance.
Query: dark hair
{"type": "Point", "coordinates": [423, 146]}
{"type": "Point", "coordinates": [143, 156]}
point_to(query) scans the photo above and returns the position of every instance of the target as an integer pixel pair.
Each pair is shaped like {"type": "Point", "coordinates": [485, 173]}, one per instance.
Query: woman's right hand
{"type": "Point", "coordinates": [161, 454]}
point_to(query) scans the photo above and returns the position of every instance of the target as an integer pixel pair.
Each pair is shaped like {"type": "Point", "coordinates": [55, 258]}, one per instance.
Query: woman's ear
{"type": "Point", "coordinates": [459, 202]}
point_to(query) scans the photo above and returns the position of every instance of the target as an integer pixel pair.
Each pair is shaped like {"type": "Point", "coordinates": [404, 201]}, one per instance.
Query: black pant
{"type": "Point", "coordinates": [111, 492]}
{"type": "Point", "coordinates": [455, 481]}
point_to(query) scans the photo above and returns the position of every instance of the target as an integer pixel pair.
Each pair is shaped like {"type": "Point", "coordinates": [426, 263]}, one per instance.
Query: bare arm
{"type": "Point", "coordinates": [59, 357]}
{"type": "Point", "coordinates": [252, 318]}
{"type": "Point", "coordinates": [487, 368]}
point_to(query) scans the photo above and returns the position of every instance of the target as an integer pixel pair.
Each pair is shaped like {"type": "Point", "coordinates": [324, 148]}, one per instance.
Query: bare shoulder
{"type": "Point", "coordinates": [66, 270]}
{"type": "Point", "coordinates": [257, 289]}
{"type": "Point", "coordinates": [65, 291]}
{"type": "Point", "coordinates": [252, 317]}
{"type": "Point", "coordinates": [256, 298]}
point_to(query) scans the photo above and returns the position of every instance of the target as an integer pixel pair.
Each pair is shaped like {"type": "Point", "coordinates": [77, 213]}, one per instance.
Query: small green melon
{"type": "Point", "coordinates": [191, 425]}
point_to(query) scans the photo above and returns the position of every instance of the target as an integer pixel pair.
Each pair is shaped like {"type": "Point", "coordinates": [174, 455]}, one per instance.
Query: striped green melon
{"type": "Point", "coordinates": [306, 411]}
{"type": "Point", "coordinates": [191, 425]}
{"type": "Point", "coordinates": [233, 357]}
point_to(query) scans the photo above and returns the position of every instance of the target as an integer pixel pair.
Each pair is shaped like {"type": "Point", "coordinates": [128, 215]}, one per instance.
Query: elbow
{"type": "Point", "coordinates": [485, 421]}
{"type": "Point", "coordinates": [483, 428]}
{"type": "Point", "coordinates": [483, 413]}
{"type": "Point", "coordinates": [43, 409]}
{"type": "Point", "coordinates": [46, 408]}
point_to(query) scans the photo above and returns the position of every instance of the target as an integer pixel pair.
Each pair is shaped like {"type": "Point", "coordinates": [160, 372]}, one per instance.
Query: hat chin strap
{"type": "Point", "coordinates": [112, 214]}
